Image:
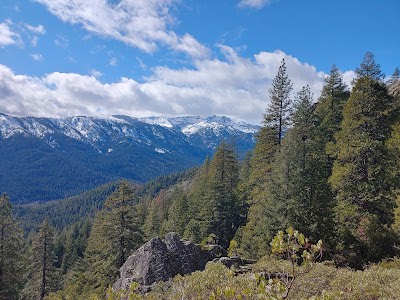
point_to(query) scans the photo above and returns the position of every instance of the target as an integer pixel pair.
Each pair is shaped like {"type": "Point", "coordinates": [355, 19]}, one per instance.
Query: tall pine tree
{"type": "Point", "coordinates": [11, 246]}
{"type": "Point", "coordinates": [362, 176]}
{"type": "Point", "coordinates": [254, 237]}
{"type": "Point", "coordinates": [115, 234]}
{"type": "Point", "coordinates": [224, 172]}
{"type": "Point", "coordinates": [330, 105]}
{"type": "Point", "coordinates": [43, 276]}
{"type": "Point", "coordinates": [216, 210]}
{"type": "Point", "coordinates": [279, 110]}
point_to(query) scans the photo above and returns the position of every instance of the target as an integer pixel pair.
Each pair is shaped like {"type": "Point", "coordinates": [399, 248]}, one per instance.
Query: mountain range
{"type": "Point", "coordinates": [43, 159]}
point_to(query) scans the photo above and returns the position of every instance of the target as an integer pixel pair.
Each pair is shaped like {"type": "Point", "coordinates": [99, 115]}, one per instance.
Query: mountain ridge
{"type": "Point", "coordinates": [52, 158]}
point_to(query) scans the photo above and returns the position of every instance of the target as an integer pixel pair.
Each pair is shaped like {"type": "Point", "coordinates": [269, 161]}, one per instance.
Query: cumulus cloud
{"type": "Point", "coordinates": [257, 4]}
{"type": "Point", "coordinates": [348, 77]}
{"type": "Point", "coordinates": [234, 86]}
{"type": "Point", "coordinates": [7, 35]}
{"type": "Point", "coordinates": [144, 24]}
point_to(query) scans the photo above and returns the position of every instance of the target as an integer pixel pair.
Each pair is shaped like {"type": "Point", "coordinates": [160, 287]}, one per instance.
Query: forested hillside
{"type": "Point", "coordinates": [328, 167]}
{"type": "Point", "coordinates": [54, 158]}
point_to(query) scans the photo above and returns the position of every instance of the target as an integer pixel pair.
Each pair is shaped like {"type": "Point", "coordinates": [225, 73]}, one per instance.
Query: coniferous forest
{"type": "Point", "coordinates": [322, 169]}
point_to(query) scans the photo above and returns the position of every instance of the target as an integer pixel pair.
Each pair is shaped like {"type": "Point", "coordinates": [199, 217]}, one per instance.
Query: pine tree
{"type": "Point", "coordinates": [197, 199]}
{"type": "Point", "coordinates": [279, 110]}
{"type": "Point", "coordinates": [153, 222]}
{"type": "Point", "coordinates": [330, 105]}
{"type": "Point", "coordinates": [224, 172]}
{"type": "Point", "coordinates": [369, 68]}
{"type": "Point", "coordinates": [394, 84]}
{"type": "Point", "coordinates": [43, 276]}
{"type": "Point", "coordinates": [362, 176]}
{"type": "Point", "coordinates": [243, 190]}
{"type": "Point", "coordinates": [216, 210]}
{"type": "Point", "coordinates": [115, 234]}
{"type": "Point", "coordinates": [11, 245]}
{"type": "Point", "coordinates": [254, 237]}
{"type": "Point", "coordinates": [310, 203]}
{"type": "Point", "coordinates": [394, 142]}
{"type": "Point", "coordinates": [177, 213]}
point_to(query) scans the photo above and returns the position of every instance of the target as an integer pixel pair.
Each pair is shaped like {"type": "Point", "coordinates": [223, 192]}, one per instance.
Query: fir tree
{"type": "Point", "coordinates": [177, 213]}
{"type": "Point", "coordinates": [329, 110]}
{"type": "Point", "coordinates": [197, 199]}
{"type": "Point", "coordinates": [362, 176]}
{"type": "Point", "coordinates": [43, 276]}
{"type": "Point", "coordinates": [218, 214]}
{"type": "Point", "coordinates": [310, 206]}
{"type": "Point", "coordinates": [115, 234]}
{"type": "Point", "coordinates": [224, 173]}
{"type": "Point", "coordinates": [11, 245]}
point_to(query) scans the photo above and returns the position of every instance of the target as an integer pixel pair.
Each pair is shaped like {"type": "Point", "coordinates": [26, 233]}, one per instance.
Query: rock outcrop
{"type": "Point", "coordinates": [159, 260]}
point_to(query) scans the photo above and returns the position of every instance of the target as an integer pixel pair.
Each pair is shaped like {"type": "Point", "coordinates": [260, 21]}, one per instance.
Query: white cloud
{"type": "Point", "coordinates": [96, 73]}
{"type": "Point", "coordinates": [37, 57]}
{"type": "Point", "coordinates": [7, 35]}
{"type": "Point", "coordinates": [34, 41]}
{"type": "Point", "coordinates": [348, 77]}
{"type": "Point", "coordinates": [141, 64]}
{"type": "Point", "coordinates": [236, 87]}
{"type": "Point", "coordinates": [257, 4]}
{"type": "Point", "coordinates": [38, 29]}
{"type": "Point", "coordinates": [144, 24]}
{"type": "Point", "coordinates": [113, 61]}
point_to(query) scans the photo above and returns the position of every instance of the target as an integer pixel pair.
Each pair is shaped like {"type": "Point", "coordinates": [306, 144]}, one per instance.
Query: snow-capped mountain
{"type": "Point", "coordinates": [47, 158]}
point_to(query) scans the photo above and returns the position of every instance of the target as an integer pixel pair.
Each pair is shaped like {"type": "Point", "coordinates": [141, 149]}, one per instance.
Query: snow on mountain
{"type": "Point", "coordinates": [62, 156]}
{"type": "Point", "coordinates": [105, 131]}
{"type": "Point", "coordinates": [190, 125]}
{"type": "Point", "coordinates": [161, 121]}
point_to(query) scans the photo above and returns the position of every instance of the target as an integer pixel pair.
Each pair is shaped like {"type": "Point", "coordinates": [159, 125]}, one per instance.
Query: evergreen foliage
{"type": "Point", "coordinates": [11, 247]}
{"type": "Point", "coordinates": [362, 176]}
{"type": "Point", "coordinates": [177, 213]}
{"type": "Point", "coordinates": [219, 213]}
{"type": "Point", "coordinates": [330, 169]}
{"type": "Point", "coordinates": [278, 112]}
{"type": "Point", "coordinates": [255, 235]}
{"type": "Point", "coordinates": [394, 84]}
{"type": "Point", "coordinates": [115, 234]}
{"type": "Point", "coordinates": [369, 68]}
{"type": "Point", "coordinates": [329, 109]}
{"type": "Point", "coordinates": [43, 277]}
{"type": "Point", "coordinates": [299, 195]}
{"type": "Point", "coordinates": [66, 212]}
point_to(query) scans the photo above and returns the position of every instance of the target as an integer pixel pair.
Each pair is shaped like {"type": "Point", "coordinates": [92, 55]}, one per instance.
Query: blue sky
{"type": "Point", "coordinates": [180, 57]}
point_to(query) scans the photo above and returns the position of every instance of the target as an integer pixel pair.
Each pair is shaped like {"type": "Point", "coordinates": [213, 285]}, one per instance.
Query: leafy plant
{"type": "Point", "coordinates": [302, 255]}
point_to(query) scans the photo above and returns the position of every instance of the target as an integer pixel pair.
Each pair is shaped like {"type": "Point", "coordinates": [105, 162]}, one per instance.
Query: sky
{"type": "Point", "coordinates": [181, 57]}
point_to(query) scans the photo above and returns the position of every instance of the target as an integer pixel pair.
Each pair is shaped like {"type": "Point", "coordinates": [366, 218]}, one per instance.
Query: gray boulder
{"type": "Point", "coordinates": [159, 260]}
